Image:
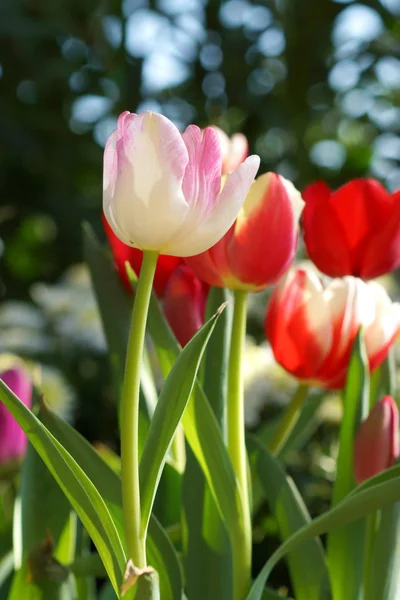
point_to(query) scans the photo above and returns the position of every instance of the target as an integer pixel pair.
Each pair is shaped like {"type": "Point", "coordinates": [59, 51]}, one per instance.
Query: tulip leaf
{"type": "Point", "coordinates": [380, 492]}
{"type": "Point", "coordinates": [345, 547]}
{"type": "Point", "coordinates": [42, 512]}
{"type": "Point", "coordinates": [79, 490]}
{"type": "Point", "coordinates": [207, 554]}
{"type": "Point", "coordinates": [167, 416]}
{"type": "Point", "coordinates": [202, 432]}
{"type": "Point", "coordinates": [160, 552]}
{"type": "Point", "coordinates": [307, 566]}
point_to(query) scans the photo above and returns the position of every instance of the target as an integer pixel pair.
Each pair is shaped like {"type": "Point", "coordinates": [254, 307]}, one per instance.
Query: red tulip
{"type": "Point", "coordinates": [12, 438]}
{"type": "Point", "coordinates": [261, 244]}
{"type": "Point", "coordinates": [123, 253]}
{"type": "Point", "coordinates": [376, 446]}
{"type": "Point", "coordinates": [354, 230]}
{"type": "Point", "coordinates": [185, 303]}
{"type": "Point", "coordinates": [311, 329]}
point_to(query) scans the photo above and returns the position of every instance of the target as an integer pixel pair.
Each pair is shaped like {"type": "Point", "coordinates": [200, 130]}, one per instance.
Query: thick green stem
{"type": "Point", "coordinates": [236, 442]}
{"type": "Point", "coordinates": [289, 420]}
{"type": "Point", "coordinates": [371, 528]}
{"type": "Point", "coordinates": [130, 413]}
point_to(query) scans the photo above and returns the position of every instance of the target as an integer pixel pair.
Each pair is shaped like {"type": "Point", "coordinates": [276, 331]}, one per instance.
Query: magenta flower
{"type": "Point", "coordinates": [162, 189]}
{"type": "Point", "coordinates": [13, 440]}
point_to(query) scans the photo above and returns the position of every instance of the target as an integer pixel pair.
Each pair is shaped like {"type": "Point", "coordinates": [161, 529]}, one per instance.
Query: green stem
{"type": "Point", "coordinates": [130, 413]}
{"type": "Point", "coordinates": [289, 419]}
{"type": "Point", "coordinates": [236, 441]}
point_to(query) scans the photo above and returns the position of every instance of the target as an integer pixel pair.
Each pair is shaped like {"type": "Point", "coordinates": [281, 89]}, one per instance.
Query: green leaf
{"type": "Point", "coordinates": [308, 571]}
{"type": "Point", "coordinates": [42, 510]}
{"type": "Point", "coordinates": [202, 432]}
{"type": "Point", "coordinates": [273, 595]}
{"type": "Point", "coordinates": [207, 554]}
{"type": "Point", "coordinates": [80, 491]}
{"type": "Point", "coordinates": [167, 415]}
{"type": "Point", "coordinates": [160, 552]}
{"type": "Point", "coordinates": [345, 547]}
{"type": "Point", "coordinates": [380, 491]}
{"type": "Point", "coordinates": [384, 578]}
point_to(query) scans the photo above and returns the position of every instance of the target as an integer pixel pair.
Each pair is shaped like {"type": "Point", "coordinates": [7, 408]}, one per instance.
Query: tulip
{"type": "Point", "coordinates": [162, 190]}
{"type": "Point", "coordinates": [12, 438]}
{"type": "Point", "coordinates": [311, 329]}
{"type": "Point", "coordinates": [261, 244]}
{"type": "Point", "coordinates": [185, 303]}
{"type": "Point", "coordinates": [234, 150]}
{"type": "Point", "coordinates": [376, 446]}
{"type": "Point", "coordinates": [122, 253]}
{"type": "Point", "coordinates": [354, 230]}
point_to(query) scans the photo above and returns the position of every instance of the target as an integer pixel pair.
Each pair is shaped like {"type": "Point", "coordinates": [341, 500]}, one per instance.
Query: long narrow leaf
{"type": "Point", "coordinates": [378, 493]}
{"type": "Point", "coordinates": [167, 415]}
{"type": "Point", "coordinates": [207, 552]}
{"type": "Point", "coordinates": [203, 433]}
{"type": "Point", "coordinates": [309, 574]}
{"type": "Point", "coordinates": [78, 488]}
{"type": "Point", "coordinates": [345, 547]}
{"type": "Point", "coordinates": [160, 552]}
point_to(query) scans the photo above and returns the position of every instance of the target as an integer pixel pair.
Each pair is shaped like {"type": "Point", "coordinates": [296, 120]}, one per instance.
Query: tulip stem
{"type": "Point", "coordinates": [288, 421]}
{"type": "Point", "coordinates": [130, 413]}
{"type": "Point", "coordinates": [236, 441]}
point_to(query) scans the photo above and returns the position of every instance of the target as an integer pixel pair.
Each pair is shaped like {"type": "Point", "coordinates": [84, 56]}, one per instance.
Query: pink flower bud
{"type": "Point", "coordinates": [184, 303]}
{"type": "Point", "coordinates": [376, 445]}
{"type": "Point", "coordinates": [13, 440]}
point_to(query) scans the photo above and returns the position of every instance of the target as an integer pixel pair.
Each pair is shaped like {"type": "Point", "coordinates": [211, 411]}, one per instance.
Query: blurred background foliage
{"type": "Point", "coordinates": [314, 85]}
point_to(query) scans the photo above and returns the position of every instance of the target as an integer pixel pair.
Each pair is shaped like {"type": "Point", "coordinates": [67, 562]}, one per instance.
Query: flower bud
{"type": "Point", "coordinates": [376, 446]}
{"type": "Point", "coordinates": [185, 303]}
{"type": "Point", "coordinates": [13, 440]}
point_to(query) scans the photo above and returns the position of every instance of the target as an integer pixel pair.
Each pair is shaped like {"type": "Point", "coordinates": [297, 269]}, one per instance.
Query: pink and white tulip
{"type": "Point", "coordinates": [234, 149]}
{"type": "Point", "coordinates": [162, 189]}
{"type": "Point", "coordinates": [311, 328]}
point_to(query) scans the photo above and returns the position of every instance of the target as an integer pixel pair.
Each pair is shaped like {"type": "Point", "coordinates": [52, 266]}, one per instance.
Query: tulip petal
{"type": "Point", "coordinates": [222, 215]}
{"type": "Point", "coordinates": [297, 324]}
{"type": "Point", "coordinates": [266, 232]}
{"type": "Point", "coordinates": [202, 179]}
{"type": "Point", "coordinates": [147, 205]}
{"type": "Point", "coordinates": [384, 329]}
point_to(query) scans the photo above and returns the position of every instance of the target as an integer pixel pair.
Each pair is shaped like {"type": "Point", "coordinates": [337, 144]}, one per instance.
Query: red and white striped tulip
{"type": "Point", "coordinates": [311, 328]}
{"type": "Point", "coordinates": [261, 245]}
{"type": "Point", "coordinates": [376, 446]}
{"type": "Point", "coordinates": [162, 189]}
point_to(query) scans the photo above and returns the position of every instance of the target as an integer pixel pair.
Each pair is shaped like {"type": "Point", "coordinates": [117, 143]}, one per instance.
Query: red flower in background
{"type": "Point", "coordinates": [13, 440]}
{"type": "Point", "coordinates": [185, 303]}
{"type": "Point", "coordinates": [261, 244]}
{"type": "Point", "coordinates": [354, 230]}
{"type": "Point", "coordinates": [311, 329]}
{"type": "Point", "coordinates": [376, 446]}
{"type": "Point", "coordinates": [123, 253]}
